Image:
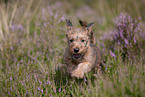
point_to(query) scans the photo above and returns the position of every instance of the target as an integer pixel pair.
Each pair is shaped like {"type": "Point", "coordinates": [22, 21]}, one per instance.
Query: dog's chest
{"type": "Point", "coordinates": [78, 61]}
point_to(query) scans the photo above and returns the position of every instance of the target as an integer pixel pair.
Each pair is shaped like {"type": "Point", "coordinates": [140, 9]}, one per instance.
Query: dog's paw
{"type": "Point", "coordinates": [78, 74]}
{"type": "Point", "coordinates": [81, 69]}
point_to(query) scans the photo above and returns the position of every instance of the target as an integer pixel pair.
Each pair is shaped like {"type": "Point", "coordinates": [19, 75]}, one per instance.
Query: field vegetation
{"type": "Point", "coordinates": [32, 44]}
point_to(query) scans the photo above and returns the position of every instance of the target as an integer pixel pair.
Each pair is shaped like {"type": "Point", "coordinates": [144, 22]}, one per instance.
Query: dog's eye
{"type": "Point", "coordinates": [83, 40]}
{"type": "Point", "coordinates": [71, 40]}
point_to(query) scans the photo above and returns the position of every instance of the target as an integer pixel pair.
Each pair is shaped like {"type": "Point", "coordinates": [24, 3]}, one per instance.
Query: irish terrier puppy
{"type": "Point", "coordinates": [81, 55]}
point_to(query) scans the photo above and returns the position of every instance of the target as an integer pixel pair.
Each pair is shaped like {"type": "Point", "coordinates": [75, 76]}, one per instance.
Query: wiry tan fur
{"type": "Point", "coordinates": [84, 40]}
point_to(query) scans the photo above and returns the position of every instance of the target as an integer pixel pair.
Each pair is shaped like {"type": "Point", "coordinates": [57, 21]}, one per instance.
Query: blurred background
{"type": "Point", "coordinates": [32, 44]}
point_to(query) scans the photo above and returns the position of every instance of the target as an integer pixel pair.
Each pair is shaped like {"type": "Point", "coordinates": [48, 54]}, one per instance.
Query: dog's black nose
{"type": "Point", "coordinates": [76, 50]}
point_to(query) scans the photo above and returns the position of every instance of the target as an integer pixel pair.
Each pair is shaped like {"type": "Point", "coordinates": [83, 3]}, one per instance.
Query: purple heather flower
{"type": "Point", "coordinates": [123, 25]}
{"type": "Point", "coordinates": [50, 12]}
{"type": "Point", "coordinates": [128, 32]}
{"type": "Point", "coordinates": [11, 48]}
{"type": "Point", "coordinates": [126, 41]}
{"type": "Point", "coordinates": [56, 15]}
{"type": "Point", "coordinates": [50, 95]}
{"type": "Point", "coordinates": [43, 11]}
{"type": "Point", "coordinates": [17, 27]}
{"type": "Point", "coordinates": [45, 25]}
{"type": "Point", "coordinates": [48, 82]}
{"type": "Point", "coordinates": [135, 20]}
{"type": "Point", "coordinates": [102, 44]}
{"type": "Point", "coordinates": [22, 84]}
{"type": "Point", "coordinates": [18, 64]}
{"type": "Point", "coordinates": [130, 44]}
{"type": "Point", "coordinates": [139, 18]}
{"type": "Point", "coordinates": [26, 94]}
{"type": "Point", "coordinates": [61, 19]}
{"type": "Point", "coordinates": [1, 44]}
{"type": "Point", "coordinates": [112, 54]}
{"type": "Point", "coordinates": [11, 88]}
{"type": "Point", "coordinates": [12, 27]}
{"type": "Point", "coordinates": [11, 78]}
{"type": "Point", "coordinates": [134, 39]}
{"type": "Point", "coordinates": [121, 35]}
{"type": "Point", "coordinates": [40, 82]}
{"type": "Point", "coordinates": [85, 80]}
{"type": "Point", "coordinates": [59, 90]}
{"type": "Point", "coordinates": [42, 90]}
{"type": "Point", "coordinates": [20, 27]}
{"type": "Point", "coordinates": [38, 88]}
{"type": "Point", "coordinates": [46, 72]}
{"type": "Point", "coordinates": [1, 66]}
{"type": "Point", "coordinates": [118, 43]}
{"type": "Point", "coordinates": [125, 45]}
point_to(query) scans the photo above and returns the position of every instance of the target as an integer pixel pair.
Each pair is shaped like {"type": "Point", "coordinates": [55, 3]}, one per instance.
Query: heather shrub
{"type": "Point", "coordinates": [32, 42]}
{"type": "Point", "coordinates": [128, 37]}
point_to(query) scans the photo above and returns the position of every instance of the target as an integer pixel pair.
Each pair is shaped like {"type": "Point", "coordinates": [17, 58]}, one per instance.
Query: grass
{"type": "Point", "coordinates": [32, 44]}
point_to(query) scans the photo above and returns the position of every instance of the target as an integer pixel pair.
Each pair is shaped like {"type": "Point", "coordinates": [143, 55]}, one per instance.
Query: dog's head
{"type": "Point", "coordinates": [78, 39]}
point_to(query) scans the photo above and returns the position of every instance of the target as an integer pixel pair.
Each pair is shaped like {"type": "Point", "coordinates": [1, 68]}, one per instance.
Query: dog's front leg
{"type": "Point", "coordinates": [81, 69]}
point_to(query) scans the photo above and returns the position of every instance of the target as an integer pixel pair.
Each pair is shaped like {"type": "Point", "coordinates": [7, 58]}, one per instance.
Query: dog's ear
{"type": "Point", "coordinates": [89, 26]}
{"type": "Point", "coordinates": [91, 32]}
{"type": "Point", "coordinates": [69, 24]}
{"type": "Point", "coordinates": [83, 23]}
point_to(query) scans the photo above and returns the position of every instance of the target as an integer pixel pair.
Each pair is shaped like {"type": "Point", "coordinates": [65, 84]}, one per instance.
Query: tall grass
{"type": "Point", "coordinates": [32, 44]}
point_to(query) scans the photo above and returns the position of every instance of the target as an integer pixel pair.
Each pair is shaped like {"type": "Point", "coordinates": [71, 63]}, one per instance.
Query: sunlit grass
{"type": "Point", "coordinates": [32, 44]}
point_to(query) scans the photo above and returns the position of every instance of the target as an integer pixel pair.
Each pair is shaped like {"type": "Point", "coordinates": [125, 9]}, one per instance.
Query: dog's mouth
{"type": "Point", "coordinates": [77, 56]}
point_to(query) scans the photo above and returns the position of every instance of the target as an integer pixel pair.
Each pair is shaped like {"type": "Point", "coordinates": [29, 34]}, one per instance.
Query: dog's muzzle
{"type": "Point", "coordinates": [77, 56]}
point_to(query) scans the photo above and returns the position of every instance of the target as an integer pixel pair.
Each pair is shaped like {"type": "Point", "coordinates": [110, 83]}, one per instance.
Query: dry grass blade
{"type": "Point", "coordinates": [13, 13]}
{"type": "Point", "coordinates": [37, 62]}
{"type": "Point", "coordinates": [4, 19]}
